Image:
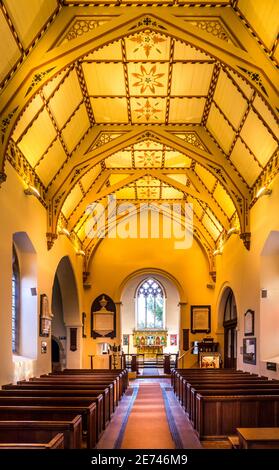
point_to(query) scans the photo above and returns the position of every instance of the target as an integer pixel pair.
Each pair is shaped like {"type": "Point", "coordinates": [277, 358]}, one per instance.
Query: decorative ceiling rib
{"type": "Point", "coordinates": [149, 104]}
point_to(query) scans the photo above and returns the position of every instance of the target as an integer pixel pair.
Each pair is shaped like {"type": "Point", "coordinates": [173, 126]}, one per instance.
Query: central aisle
{"type": "Point", "coordinates": [147, 426]}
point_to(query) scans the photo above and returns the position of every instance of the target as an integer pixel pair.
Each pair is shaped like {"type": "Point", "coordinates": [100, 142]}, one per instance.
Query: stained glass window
{"type": "Point", "coordinates": [15, 303]}
{"type": "Point", "coordinates": [150, 304]}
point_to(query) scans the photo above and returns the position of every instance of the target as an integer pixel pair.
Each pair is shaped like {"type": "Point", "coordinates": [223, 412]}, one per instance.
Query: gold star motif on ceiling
{"type": "Point", "coordinates": [147, 110]}
{"type": "Point", "coordinates": [149, 159]}
{"type": "Point", "coordinates": [147, 41]}
{"type": "Point", "coordinates": [148, 80]}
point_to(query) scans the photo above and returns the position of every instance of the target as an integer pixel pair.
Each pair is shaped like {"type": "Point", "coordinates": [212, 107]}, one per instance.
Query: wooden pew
{"type": "Point", "coordinates": [66, 390]}
{"type": "Point", "coordinates": [79, 405]}
{"type": "Point", "coordinates": [258, 438]}
{"type": "Point", "coordinates": [42, 431]}
{"type": "Point", "coordinates": [57, 442]}
{"type": "Point", "coordinates": [237, 391]}
{"type": "Point", "coordinates": [219, 416]}
{"type": "Point", "coordinates": [69, 380]}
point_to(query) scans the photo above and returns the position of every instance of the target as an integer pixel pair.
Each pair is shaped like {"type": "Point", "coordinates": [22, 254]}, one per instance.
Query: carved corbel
{"type": "Point", "coordinates": [51, 237]}
{"type": "Point", "coordinates": [246, 237]}
{"type": "Point", "coordinates": [3, 177]}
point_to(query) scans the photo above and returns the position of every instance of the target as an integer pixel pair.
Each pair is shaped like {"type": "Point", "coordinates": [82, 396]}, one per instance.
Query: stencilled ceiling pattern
{"type": "Point", "coordinates": [145, 79]}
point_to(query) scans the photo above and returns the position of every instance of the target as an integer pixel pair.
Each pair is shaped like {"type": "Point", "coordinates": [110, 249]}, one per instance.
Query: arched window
{"type": "Point", "coordinates": [150, 301]}
{"type": "Point", "coordinates": [15, 303]}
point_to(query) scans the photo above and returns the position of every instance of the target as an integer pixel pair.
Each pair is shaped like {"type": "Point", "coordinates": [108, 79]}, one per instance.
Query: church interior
{"type": "Point", "coordinates": [139, 242]}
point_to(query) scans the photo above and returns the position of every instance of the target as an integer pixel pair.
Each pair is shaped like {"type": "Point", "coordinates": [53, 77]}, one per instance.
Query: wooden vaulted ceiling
{"type": "Point", "coordinates": [150, 104]}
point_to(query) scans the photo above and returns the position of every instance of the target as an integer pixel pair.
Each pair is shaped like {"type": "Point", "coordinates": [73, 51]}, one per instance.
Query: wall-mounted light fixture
{"type": "Point", "coordinates": [32, 191]}
{"type": "Point", "coordinates": [264, 191]}
{"type": "Point", "coordinates": [80, 253]}
{"type": "Point", "coordinates": [232, 230]}
{"type": "Point", "coordinates": [217, 252]}
{"type": "Point", "coordinates": [64, 231]}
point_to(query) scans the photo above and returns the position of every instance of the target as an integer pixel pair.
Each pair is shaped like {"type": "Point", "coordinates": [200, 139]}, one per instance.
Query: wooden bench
{"type": "Point", "coordinates": [64, 390]}
{"type": "Point", "coordinates": [57, 442]}
{"type": "Point", "coordinates": [258, 438]}
{"type": "Point", "coordinates": [219, 416]}
{"type": "Point", "coordinates": [78, 405]}
{"type": "Point", "coordinates": [42, 431]}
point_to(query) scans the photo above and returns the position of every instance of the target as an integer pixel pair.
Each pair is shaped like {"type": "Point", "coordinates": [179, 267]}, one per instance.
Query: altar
{"type": "Point", "coordinates": [150, 342]}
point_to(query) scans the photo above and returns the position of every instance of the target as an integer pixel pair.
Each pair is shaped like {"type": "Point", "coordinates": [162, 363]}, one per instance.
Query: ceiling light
{"type": "Point", "coordinates": [263, 191]}
{"type": "Point", "coordinates": [65, 231]}
{"type": "Point", "coordinates": [32, 191]}
{"type": "Point", "coordinates": [80, 253]}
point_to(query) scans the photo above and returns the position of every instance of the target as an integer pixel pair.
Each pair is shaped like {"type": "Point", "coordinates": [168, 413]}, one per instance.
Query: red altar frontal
{"type": "Point", "coordinates": [150, 342]}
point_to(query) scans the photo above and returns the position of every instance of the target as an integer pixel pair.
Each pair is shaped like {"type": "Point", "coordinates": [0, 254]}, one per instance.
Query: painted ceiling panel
{"type": "Point", "coordinates": [186, 110]}
{"type": "Point", "coordinates": [148, 158]}
{"type": "Point", "coordinates": [177, 159]}
{"type": "Point", "coordinates": [50, 86]}
{"type": "Point", "coordinates": [171, 193]}
{"type": "Point", "coordinates": [197, 207]}
{"type": "Point", "coordinates": [266, 115]}
{"type": "Point", "coordinates": [125, 193]}
{"type": "Point", "coordinates": [148, 145]}
{"type": "Point", "coordinates": [35, 142]}
{"type": "Point", "coordinates": [33, 12]}
{"type": "Point", "coordinates": [27, 116]}
{"type": "Point", "coordinates": [207, 178]}
{"type": "Point", "coordinates": [110, 110]}
{"type": "Point", "coordinates": [243, 84]}
{"type": "Point", "coordinates": [148, 79]}
{"type": "Point", "coordinates": [90, 177]}
{"type": "Point", "coordinates": [263, 17]}
{"type": "Point", "coordinates": [116, 178]}
{"type": "Point", "coordinates": [181, 178]}
{"type": "Point", "coordinates": [76, 128]}
{"type": "Point", "coordinates": [258, 138]}
{"type": "Point", "coordinates": [220, 129]}
{"type": "Point", "coordinates": [184, 51]}
{"type": "Point", "coordinates": [245, 163]}
{"type": "Point", "coordinates": [214, 219]}
{"type": "Point", "coordinates": [147, 45]}
{"type": "Point", "coordinates": [148, 110]}
{"type": "Point", "coordinates": [9, 51]}
{"type": "Point", "coordinates": [61, 108]}
{"type": "Point", "coordinates": [209, 225]}
{"type": "Point", "coordinates": [52, 161]}
{"type": "Point", "coordinates": [191, 79]}
{"type": "Point", "coordinates": [121, 159]}
{"type": "Point", "coordinates": [109, 52]}
{"type": "Point", "coordinates": [99, 82]}
{"type": "Point", "coordinates": [72, 200]}
{"type": "Point", "coordinates": [224, 200]}
{"type": "Point", "coordinates": [230, 100]}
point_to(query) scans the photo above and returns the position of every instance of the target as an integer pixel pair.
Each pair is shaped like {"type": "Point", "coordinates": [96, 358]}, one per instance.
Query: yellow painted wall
{"type": "Point", "coordinates": [21, 213]}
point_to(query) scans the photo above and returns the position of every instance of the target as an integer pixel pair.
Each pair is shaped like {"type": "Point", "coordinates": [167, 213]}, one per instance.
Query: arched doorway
{"type": "Point", "coordinates": [66, 322]}
{"type": "Point", "coordinates": [230, 331]}
{"type": "Point", "coordinates": [56, 355]}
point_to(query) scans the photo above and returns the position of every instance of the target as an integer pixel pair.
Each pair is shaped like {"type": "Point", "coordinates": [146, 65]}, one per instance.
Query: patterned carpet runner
{"type": "Point", "coordinates": [147, 426]}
